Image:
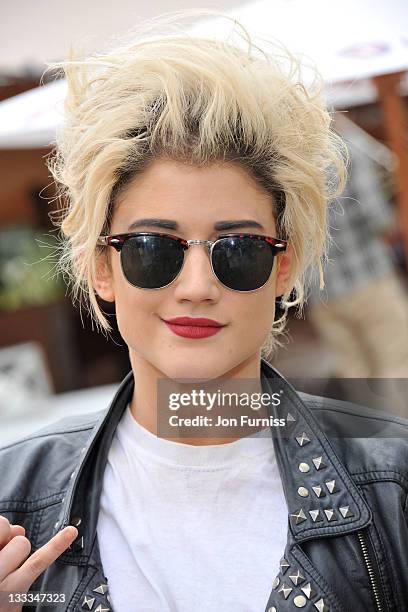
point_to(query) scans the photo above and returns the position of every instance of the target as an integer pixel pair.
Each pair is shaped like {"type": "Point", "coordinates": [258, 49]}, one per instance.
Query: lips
{"type": "Point", "coordinates": [193, 327]}
{"type": "Point", "coordinates": [195, 321]}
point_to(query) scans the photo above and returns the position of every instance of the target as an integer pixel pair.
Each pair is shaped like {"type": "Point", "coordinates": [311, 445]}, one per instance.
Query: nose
{"type": "Point", "coordinates": [196, 281]}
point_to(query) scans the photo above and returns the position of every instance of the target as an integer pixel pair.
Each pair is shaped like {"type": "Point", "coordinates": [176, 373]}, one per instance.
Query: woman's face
{"type": "Point", "coordinates": [195, 198]}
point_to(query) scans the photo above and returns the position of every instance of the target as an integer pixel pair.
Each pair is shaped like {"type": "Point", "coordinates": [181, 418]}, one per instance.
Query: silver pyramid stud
{"type": "Point", "coordinates": [346, 512]}
{"type": "Point", "coordinates": [303, 492]}
{"type": "Point", "coordinates": [284, 564]}
{"type": "Point", "coordinates": [102, 589]}
{"type": "Point", "coordinates": [331, 486]}
{"type": "Point", "coordinates": [300, 601]}
{"type": "Point", "coordinates": [298, 516]}
{"type": "Point", "coordinates": [329, 512]}
{"type": "Point", "coordinates": [88, 602]}
{"type": "Point", "coordinates": [290, 418]}
{"type": "Point", "coordinates": [273, 609]}
{"type": "Point", "coordinates": [297, 578]}
{"type": "Point", "coordinates": [316, 516]}
{"type": "Point", "coordinates": [275, 583]}
{"type": "Point", "coordinates": [308, 590]}
{"type": "Point", "coordinates": [304, 467]}
{"type": "Point", "coordinates": [319, 491]}
{"type": "Point", "coordinates": [303, 439]}
{"type": "Point", "coordinates": [102, 608]}
{"type": "Point", "coordinates": [285, 589]}
{"type": "Point", "coordinates": [321, 606]}
{"type": "Point", "coordinates": [319, 463]}
{"type": "Point", "coordinates": [79, 543]}
{"type": "Point", "coordinates": [76, 521]}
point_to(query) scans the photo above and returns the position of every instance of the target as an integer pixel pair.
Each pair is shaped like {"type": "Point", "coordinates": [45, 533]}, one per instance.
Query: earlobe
{"type": "Point", "coordinates": [284, 269]}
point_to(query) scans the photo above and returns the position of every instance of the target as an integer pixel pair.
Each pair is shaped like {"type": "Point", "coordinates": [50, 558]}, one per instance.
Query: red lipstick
{"type": "Point", "coordinates": [193, 327]}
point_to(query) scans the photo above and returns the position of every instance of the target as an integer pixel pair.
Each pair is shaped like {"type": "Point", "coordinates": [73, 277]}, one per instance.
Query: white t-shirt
{"type": "Point", "coordinates": [186, 528]}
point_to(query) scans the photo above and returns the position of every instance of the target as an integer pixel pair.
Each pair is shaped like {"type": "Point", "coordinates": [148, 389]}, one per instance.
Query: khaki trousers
{"type": "Point", "coordinates": [367, 330]}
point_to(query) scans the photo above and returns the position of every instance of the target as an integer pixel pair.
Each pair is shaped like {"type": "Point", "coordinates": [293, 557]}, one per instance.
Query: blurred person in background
{"type": "Point", "coordinates": [196, 177]}
{"type": "Point", "coordinates": [362, 313]}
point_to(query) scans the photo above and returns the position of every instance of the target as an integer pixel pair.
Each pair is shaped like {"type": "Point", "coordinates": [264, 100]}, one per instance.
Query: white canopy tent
{"type": "Point", "coordinates": [30, 120]}
{"type": "Point", "coordinates": [347, 40]}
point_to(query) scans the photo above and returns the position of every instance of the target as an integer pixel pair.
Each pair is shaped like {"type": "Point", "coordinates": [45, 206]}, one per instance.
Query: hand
{"type": "Point", "coordinates": [17, 572]}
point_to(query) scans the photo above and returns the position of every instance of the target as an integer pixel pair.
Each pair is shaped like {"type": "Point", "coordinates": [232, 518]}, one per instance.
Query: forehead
{"type": "Point", "coordinates": [193, 194]}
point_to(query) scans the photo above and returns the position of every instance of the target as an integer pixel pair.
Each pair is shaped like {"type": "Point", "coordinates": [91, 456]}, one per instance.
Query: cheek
{"type": "Point", "coordinates": [135, 310]}
{"type": "Point", "coordinates": [254, 313]}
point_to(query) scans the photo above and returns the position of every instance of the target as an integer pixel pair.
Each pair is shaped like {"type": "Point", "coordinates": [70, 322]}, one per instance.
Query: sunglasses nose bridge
{"type": "Point", "coordinates": [207, 243]}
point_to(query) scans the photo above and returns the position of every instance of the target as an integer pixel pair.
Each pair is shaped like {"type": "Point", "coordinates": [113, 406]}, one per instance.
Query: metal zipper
{"type": "Point", "coordinates": [376, 590]}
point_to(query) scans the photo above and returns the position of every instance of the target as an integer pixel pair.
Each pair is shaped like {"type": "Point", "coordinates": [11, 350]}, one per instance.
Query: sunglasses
{"type": "Point", "coordinates": [151, 260]}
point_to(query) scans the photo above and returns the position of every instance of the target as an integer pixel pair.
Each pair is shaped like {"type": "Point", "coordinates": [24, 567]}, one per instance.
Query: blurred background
{"type": "Point", "coordinates": [52, 362]}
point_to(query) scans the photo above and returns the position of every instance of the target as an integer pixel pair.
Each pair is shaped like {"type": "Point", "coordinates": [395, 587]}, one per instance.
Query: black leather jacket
{"type": "Point", "coordinates": [347, 544]}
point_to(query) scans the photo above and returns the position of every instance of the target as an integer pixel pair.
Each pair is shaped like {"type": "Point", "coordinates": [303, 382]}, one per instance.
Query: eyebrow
{"type": "Point", "coordinates": [173, 225]}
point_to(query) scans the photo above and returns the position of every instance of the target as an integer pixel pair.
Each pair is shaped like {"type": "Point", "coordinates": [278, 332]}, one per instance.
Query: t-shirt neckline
{"type": "Point", "coordinates": [179, 453]}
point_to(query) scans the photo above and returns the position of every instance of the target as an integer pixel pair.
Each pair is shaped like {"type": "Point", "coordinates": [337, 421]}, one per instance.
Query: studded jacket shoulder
{"type": "Point", "coordinates": [344, 471]}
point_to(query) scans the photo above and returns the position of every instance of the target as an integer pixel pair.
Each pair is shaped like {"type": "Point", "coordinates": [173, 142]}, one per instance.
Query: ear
{"type": "Point", "coordinates": [103, 283]}
{"type": "Point", "coordinates": [284, 269]}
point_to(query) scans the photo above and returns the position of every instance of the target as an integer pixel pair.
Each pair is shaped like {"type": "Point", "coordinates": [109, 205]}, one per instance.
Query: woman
{"type": "Point", "coordinates": [197, 176]}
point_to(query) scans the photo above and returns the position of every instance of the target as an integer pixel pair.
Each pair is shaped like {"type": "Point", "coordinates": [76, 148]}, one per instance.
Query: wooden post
{"type": "Point", "coordinates": [397, 133]}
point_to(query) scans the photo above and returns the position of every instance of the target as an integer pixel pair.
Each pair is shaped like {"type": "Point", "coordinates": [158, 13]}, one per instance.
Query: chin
{"type": "Point", "coordinates": [196, 368]}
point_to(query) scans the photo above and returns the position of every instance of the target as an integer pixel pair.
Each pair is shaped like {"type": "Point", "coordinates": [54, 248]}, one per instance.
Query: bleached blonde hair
{"type": "Point", "coordinates": [168, 94]}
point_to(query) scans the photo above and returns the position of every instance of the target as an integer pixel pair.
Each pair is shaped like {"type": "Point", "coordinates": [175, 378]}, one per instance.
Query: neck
{"type": "Point", "coordinates": [151, 406]}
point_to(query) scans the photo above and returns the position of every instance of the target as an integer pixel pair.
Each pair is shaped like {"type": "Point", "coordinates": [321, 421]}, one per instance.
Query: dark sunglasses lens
{"type": "Point", "coordinates": [151, 262]}
{"type": "Point", "coordinates": [243, 264]}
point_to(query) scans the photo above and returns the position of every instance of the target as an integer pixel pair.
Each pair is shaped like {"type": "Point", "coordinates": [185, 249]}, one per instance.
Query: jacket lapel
{"type": "Point", "coordinates": [322, 498]}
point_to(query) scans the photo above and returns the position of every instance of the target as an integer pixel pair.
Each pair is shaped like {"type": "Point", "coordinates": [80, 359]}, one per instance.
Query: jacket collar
{"type": "Point", "coordinates": [321, 497]}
